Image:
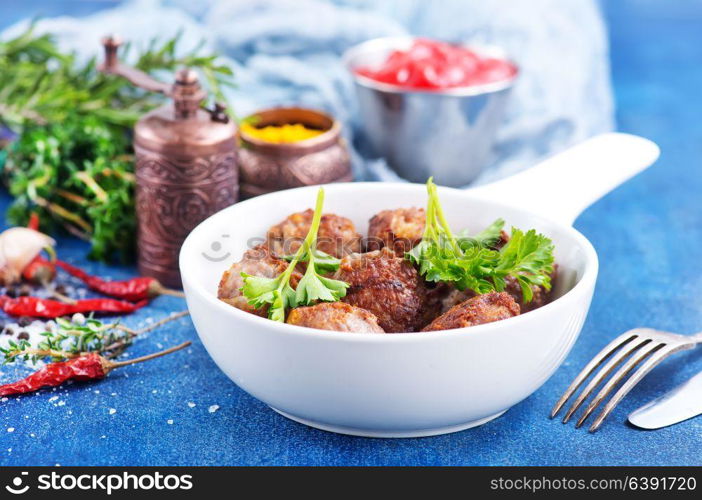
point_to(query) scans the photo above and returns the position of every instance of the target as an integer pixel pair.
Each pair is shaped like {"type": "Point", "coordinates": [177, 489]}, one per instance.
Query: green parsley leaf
{"type": "Point", "coordinates": [312, 288]}
{"type": "Point", "coordinates": [470, 262]}
{"type": "Point", "coordinates": [486, 238]}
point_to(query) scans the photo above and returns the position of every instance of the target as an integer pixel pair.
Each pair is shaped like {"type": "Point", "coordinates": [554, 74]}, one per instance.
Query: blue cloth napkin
{"type": "Point", "coordinates": [288, 52]}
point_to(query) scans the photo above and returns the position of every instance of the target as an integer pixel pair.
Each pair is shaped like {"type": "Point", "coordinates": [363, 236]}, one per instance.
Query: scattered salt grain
{"type": "Point", "coordinates": [191, 405]}
{"type": "Point", "coordinates": [213, 408]}
{"type": "Point", "coordinates": [169, 421]}
{"type": "Point", "coordinates": [103, 436]}
{"type": "Point", "coordinates": [31, 434]}
{"type": "Point", "coordinates": [53, 398]}
{"type": "Point", "coordinates": [61, 403]}
{"type": "Point", "coordinates": [10, 429]}
{"type": "Point", "coordinates": [112, 411]}
{"type": "Point", "coordinates": [113, 394]}
{"type": "Point", "coordinates": [154, 391]}
{"type": "Point", "coordinates": [96, 391]}
{"type": "Point", "coordinates": [3, 399]}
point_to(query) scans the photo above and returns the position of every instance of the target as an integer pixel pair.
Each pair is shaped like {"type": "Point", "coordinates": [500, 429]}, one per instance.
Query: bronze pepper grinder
{"type": "Point", "coordinates": [185, 165]}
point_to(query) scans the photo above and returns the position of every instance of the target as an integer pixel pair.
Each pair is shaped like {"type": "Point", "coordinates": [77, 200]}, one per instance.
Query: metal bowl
{"type": "Point", "coordinates": [447, 134]}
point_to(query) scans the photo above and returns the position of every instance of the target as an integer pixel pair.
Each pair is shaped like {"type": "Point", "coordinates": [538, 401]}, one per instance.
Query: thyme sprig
{"type": "Point", "coordinates": [67, 339]}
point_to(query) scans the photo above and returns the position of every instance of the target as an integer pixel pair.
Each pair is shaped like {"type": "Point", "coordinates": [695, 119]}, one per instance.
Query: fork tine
{"type": "Point", "coordinates": [630, 364]}
{"type": "Point", "coordinates": [640, 373]}
{"type": "Point", "coordinates": [604, 372]}
{"type": "Point", "coordinates": [590, 367]}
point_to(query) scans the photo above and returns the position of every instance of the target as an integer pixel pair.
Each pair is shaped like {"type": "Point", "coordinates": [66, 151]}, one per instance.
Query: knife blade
{"type": "Point", "coordinates": [682, 403]}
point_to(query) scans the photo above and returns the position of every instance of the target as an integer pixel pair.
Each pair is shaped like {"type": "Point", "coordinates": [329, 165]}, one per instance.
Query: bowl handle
{"type": "Point", "coordinates": [564, 185]}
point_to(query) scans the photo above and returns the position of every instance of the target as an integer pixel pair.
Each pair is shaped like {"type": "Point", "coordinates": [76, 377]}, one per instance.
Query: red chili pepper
{"type": "Point", "coordinates": [89, 367]}
{"type": "Point", "coordinates": [33, 221]}
{"type": "Point", "coordinates": [135, 289]}
{"type": "Point", "coordinates": [47, 308]}
{"type": "Point", "coordinates": [40, 271]}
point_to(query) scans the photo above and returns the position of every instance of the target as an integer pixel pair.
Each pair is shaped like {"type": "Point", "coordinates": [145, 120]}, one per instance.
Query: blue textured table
{"type": "Point", "coordinates": [648, 236]}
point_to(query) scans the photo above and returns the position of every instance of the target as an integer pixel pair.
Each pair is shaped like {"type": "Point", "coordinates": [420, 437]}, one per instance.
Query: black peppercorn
{"type": "Point", "coordinates": [24, 321]}
{"type": "Point", "coordinates": [23, 336]}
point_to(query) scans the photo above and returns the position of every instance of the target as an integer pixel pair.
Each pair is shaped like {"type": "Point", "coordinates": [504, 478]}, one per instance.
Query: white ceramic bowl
{"type": "Point", "coordinates": [413, 384]}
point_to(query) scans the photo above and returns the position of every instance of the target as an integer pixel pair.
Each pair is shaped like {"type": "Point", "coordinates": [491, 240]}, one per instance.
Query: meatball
{"type": "Point", "coordinates": [504, 238]}
{"type": "Point", "coordinates": [386, 285]}
{"type": "Point", "coordinates": [336, 316]}
{"type": "Point", "coordinates": [337, 235]}
{"type": "Point", "coordinates": [400, 229]}
{"type": "Point", "coordinates": [257, 261]}
{"type": "Point", "coordinates": [455, 297]}
{"type": "Point", "coordinates": [486, 308]}
{"type": "Point", "coordinates": [438, 294]}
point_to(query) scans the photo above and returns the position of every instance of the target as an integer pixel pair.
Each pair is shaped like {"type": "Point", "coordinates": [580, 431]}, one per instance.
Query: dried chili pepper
{"type": "Point", "coordinates": [47, 308]}
{"type": "Point", "coordinates": [33, 221]}
{"type": "Point", "coordinates": [40, 271]}
{"type": "Point", "coordinates": [135, 289]}
{"type": "Point", "coordinates": [88, 367]}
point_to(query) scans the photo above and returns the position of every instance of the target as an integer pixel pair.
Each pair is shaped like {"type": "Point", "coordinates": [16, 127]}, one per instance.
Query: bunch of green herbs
{"type": "Point", "coordinates": [72, 161]}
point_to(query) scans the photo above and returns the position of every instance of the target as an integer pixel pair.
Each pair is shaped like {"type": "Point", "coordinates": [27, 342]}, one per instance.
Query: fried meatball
{"type": "Point", "coordinates": [485, 308]}
{"type": "Point", "coordinates": [337, 235]}
{"type": "Point", "coordinates": [455, 297]}
{"type": "Point", "coordinates": [400, 229]}
{"type": "Point", "coordinates": [257, 261]}
{"type": "Point", "coordinates": [504, 238]}
{"type": "Point", "coordinates": [437, 295]}
{"type": "Point", "coordinates": [386, 285]}
{"type": "Point", "coordinates": [336, 316]}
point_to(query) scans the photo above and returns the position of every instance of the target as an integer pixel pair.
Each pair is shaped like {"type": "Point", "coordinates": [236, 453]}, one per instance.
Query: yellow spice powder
{"type": "Point", "coordinates": [277, 134]}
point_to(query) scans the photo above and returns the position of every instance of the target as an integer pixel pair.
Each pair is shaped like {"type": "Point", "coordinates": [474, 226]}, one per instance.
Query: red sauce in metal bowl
{"type": "Point", "coordinates": [434, 65]}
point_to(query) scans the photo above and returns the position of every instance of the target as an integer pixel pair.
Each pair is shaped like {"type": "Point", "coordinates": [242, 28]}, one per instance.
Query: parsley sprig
{"type": "Point", "coordinates": [472, 262]}
{"type": "Point", "coordinates": [313, 287]}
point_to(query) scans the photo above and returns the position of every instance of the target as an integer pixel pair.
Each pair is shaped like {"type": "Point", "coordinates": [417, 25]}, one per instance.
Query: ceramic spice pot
{"type": "Point", "coordinates": [266, 166]}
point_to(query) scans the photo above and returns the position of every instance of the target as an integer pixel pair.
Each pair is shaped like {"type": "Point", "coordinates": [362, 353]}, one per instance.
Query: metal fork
{"type": "Point", "coordinates": [644, 348]}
